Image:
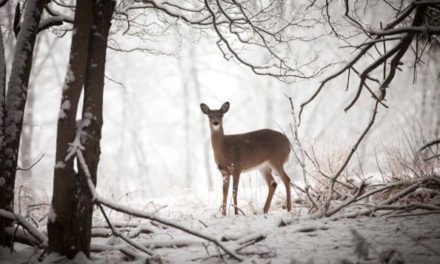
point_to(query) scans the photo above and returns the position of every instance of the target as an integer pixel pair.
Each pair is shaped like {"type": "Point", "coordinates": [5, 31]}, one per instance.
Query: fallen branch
{"type": "Point", "coordinates": [133, 255]}
{"type": "Point", "coordinates": [386, 205]}
{"type": "Point", "coordinates": [252, 238]}
{"type": "Point", "coordinates": [40, 237]}
{"type": "Point", "coordinates": [173, 243]}
{"type": "Point", "coordinates": [101, 232]}
{"type": "Point", "coordinates": [76, 148]}
{"type": "Point", "coordinates": [141, 214]}
{"type": "Point", "coordinates": [347, 202]}
{"type": "Point", "coordinates": [414, 214]}
{"type": "Point", "coordinates": [116, 224]}
{"type": "Point", "coordinates": [142, 229]}
{"type": "Point", "coordinates": [20, 235]}
{"type": "Point", "coordinates": [405, 208]}
{"type": "Point", "coordinates": [402, 193]}
{"type": "Point", "coordinates": [126, 239]}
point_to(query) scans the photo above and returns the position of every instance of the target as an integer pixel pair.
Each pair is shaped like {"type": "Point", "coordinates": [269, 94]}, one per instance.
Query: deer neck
{"type": "Point", "coordinates": [218, 141]}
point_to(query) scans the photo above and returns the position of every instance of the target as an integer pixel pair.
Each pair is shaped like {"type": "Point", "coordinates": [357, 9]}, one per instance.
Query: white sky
{"type": "Point", "coordinates": [143, 145]}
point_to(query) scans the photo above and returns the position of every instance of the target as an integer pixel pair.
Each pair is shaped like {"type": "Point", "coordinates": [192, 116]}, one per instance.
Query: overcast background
{"type": "Point", "coordinates": [155, 136]}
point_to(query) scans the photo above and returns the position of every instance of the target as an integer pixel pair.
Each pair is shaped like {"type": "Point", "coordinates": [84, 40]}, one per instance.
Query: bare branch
{"type": "Point", "coordinates": [347, 160]}
{"type": "Point", "coordinates": [33, 164]}
{"type": "Point", "coordinates": [430, 143]}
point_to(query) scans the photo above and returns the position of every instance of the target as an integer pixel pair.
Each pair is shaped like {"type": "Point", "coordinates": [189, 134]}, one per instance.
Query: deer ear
{"type": "Point", "coordinates": [225, 107]}
{"type": "Point", "coordinates": [205, 108]}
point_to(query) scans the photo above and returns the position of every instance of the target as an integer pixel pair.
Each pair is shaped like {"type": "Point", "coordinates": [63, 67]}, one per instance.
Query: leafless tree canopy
{"type": "Point", "coordinates": [413, 31]}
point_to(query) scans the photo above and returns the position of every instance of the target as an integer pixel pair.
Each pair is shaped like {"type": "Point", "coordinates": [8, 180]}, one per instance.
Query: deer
{"type": "Point", "coordinates": [265, 150]}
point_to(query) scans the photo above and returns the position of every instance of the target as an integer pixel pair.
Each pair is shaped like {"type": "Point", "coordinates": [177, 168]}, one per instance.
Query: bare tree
{"type": "Point", "coordinates": [69, 223]}
{"type": "Point", "coordinates": [14, 103]}
{"type": "Point", "coordinates": [2, 123]}
{"type": "Point", "coordinates": [92, 120]}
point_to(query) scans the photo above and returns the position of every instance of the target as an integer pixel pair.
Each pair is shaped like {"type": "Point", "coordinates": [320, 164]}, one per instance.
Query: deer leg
{"type": "Point", "coordinates": [286, 180]}
{"type": "Point", "coordinates": [225, 191]}
{"type": "Point", "coordinates": [236, 178]}
{"type": "Point", "coordinates": [271, 184]}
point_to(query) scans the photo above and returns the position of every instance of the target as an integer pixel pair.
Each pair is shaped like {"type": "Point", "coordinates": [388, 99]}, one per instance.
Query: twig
{"type": "Point", "coordinates": [347, 160]}
{"type": "Point", "coordinates": [35, 163]}
{"type": "Point", "coordinates": [432, 157]}
{"type": "Point", "coordinates": [238, 208]}
{"type": "Point", "coordinates": [430, 143]}
{"type": "Point", "coordinates": [301, 161]}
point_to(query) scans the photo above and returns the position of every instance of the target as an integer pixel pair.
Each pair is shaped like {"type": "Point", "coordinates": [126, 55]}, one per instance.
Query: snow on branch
{"type": "Point", "coordinates": [41, 238]}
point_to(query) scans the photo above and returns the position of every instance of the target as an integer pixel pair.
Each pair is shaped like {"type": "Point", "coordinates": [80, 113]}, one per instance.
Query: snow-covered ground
{"type": "Point", "coordinates": [282, 237]}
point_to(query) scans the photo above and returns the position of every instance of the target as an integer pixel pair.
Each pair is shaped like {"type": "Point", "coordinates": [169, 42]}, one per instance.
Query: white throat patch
{"type": "Point", "coordinates": [216, 128]}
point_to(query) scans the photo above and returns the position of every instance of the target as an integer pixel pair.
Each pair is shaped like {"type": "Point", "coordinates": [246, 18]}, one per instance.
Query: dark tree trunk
{"type": "Point", "coordinates": [65, 237]}
{"type": "Point", "coordinates": [2, 128]}
{"type": "Point", "coordinates": [92, 111]}
{"type": "Point", "coordinates": [14, 104]}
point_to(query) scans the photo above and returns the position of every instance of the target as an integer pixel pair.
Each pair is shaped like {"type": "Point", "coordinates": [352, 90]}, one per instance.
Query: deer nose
{"type": "Point", "coordinates": [216, 123]}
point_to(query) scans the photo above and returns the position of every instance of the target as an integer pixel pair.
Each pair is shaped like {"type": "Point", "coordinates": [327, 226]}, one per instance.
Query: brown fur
{"type": "Point", "coordinates": [266, 150]}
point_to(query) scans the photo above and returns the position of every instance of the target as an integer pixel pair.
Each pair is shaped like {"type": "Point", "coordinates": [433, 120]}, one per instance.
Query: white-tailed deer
{"type": "Point", "coordinates": [266, 150]}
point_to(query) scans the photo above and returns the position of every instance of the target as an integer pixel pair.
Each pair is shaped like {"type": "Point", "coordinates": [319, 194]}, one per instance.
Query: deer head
{"type": "Point", "coordinates": [215, 116]}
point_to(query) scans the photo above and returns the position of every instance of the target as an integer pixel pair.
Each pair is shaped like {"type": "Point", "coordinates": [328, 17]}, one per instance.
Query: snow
{"type": "Point", "coordinates": [65, 106]}
{"type": "Point", "coordinates": [70, 77]}
{"type": "Point", "coordinates": [282, 237]}
{"type": "Point", "coordinates": [60, 165]}
{"type": "Point", "coordinates": [87, 119]}
{"type": "Point", "coordinates": [52, 216]}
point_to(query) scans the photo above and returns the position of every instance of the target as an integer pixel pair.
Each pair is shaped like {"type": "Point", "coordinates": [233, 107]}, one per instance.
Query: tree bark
{"type": "Point", "coordinates": [2, 127]}
{"type": "Point", "coordinates": [14, 104]}
{"type": "Point", "coordinates": [65, 235]}
{"type": "Point", "coordinates": [92, 119]}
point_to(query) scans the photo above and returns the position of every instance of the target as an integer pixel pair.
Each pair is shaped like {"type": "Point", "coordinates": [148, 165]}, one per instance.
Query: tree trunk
{"type": "Point", "coordinates": [14, 103]}
{"type": "Point", "coordinates": [2, 127]}
{"type": "Point", "coordinates": [203, 131]}
{"type": "Point", "coordinates": [65, 235]}
{"type": "Point", "coordinates": [92, 112]}
{"type": "Point", "coordinates": [184, 77]}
